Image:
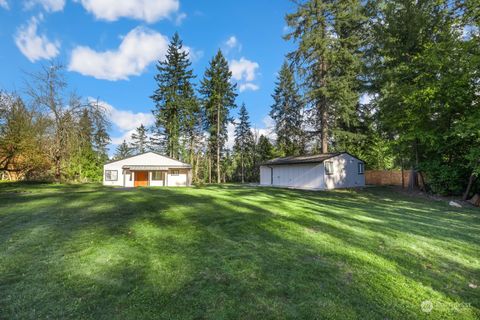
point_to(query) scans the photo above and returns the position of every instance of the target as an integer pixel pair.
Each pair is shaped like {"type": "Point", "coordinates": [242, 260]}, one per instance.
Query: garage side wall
{"type": "Point", "coordinates": [265, 176]}
{"type": "Point", "coordinates": [345, 174]}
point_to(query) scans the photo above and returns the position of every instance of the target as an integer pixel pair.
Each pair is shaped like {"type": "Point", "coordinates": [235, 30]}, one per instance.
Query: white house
{"type": "Point", "coordinates": [147, 169]}
{"type": "Point", "coordinates": [321, 171]}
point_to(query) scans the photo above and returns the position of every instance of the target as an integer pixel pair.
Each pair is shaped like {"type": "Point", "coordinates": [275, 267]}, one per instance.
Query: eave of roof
{"type": "Point", "coordinates": [153, 167]}
{"type": "Point", "coordinates": [317, 158]}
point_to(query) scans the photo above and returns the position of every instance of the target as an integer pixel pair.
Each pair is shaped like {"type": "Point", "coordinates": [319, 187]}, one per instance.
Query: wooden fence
{"type": "Point", "coordinates": [387, 177]}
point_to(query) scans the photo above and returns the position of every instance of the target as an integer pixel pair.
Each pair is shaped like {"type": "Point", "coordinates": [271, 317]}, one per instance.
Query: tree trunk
{"type": "Point", "coordinates": [58, 169]}
{"type": "Point", "coordinates": [218, 145]}
{"type": "Point", "coordinates": [412, 181]}
{"type": "Point", "coordinates": [403, 179]}
{"type": "Point", "coordinates": [423, 186]}
{"type": "Point", "coordinates": [471, 180]}
{"type": "Point", "coordinates": [324, 130]}
{"type": "Point", "coordinates": [243, 172]}
{"type": "Point", "coordinates": [323, 106]}
{"type": "Point", "coordinates": [209, 168]}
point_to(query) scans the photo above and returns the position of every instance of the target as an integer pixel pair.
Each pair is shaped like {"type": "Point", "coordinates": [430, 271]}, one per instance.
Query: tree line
{"type": "Point", "coordinates": [191, 121]}
{"type": "Point", "coordinates": [51, 133]}
{"type": "Point", "coordinates": [397, 83]}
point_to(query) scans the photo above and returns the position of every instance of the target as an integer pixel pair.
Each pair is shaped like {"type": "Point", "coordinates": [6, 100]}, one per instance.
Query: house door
{"type": "Point", "coordinates": [141, 179]}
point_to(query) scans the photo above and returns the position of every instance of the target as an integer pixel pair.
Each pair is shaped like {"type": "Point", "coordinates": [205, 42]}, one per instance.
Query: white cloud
{"type": "Point", "coordinates": [48, 5]}
{"type": "Point", "coordinates": [4, 4]}
{"type": "Point", "coordinates": [243, 69]}
{"type": "Point", "coordinates": [125, 121]}
{"type": "Point", "coordinates": [267, 130]}
{"type": "Point", "coordinates": [139, 48]}
{"type": "Point", "coordinates": [230, 135]}
{"type": "Point", "coordinates": [34, 46]}
{"type": "Point", "coordinates": [248, 86]}
{"type": "Point", "coordinates": [125, 136]}
{"type": "Point", "coordinates": [232, 43]}
{"type": "Point", "coordinates": [147, 10]}
{"type": "Point", "coordinates": [180, 17]}
{"type": "Point", "coordinates": [244, 72]}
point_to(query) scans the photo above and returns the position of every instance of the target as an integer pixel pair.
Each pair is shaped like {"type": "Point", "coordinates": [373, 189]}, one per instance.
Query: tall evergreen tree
{"type": "Point", "coordinates": [244, 142]}
{"type": "Point", "coordinates": [426, 76]}
{"type": "Point", "coordinates": [101, 138]}
{"type": "Point", "coordinates": [175, 101]}
{"type": "Point", "coordinates": [287, 112]}
{"type": "Point", "coordinates": [265, 149]}
{"type": "Point", "coordinates": [140, 142]}
{"type": "Point", "coordinates": [218, 98]}
{"type": "Point", "coordinates": [123, 151]}
{"type": "Point", "coordinates": [82, 164]}
{"type": "Point", "coordinates": [328, 57]}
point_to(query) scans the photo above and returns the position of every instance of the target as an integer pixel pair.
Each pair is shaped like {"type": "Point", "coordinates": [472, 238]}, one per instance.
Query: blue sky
{"type": "Point", "coordinates": [110, 47]}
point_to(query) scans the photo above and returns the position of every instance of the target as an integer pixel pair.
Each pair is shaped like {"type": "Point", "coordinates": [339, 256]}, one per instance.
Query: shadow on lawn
{"type": "Point", "coordinates": [170, 253]}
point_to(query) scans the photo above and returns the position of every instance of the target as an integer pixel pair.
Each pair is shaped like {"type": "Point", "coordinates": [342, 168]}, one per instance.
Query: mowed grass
{"type": "Point", "coordinates": [234, 252]}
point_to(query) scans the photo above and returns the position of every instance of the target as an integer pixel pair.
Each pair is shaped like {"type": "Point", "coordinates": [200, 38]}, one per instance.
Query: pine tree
{"type": "Point", "coordinates": [140, 143]}
{"type": "Point", "coordinates": [265, 150]}
{"type": "Point", "coordinates": [157, 140]}
{"type": "Point", "coordinates": [328, 57]}
{"type": "Point", "coordinates": [244, 142]}
{"type": "Point", "coordinates": [101, 138]}
{"type": "Point", "coordinates": [82, 164]}
{"type": "Point", "coordinates": [287, 112]}
{"type": "Point", "coordinates": [218, 98]}
{"type": "Point", "coordinates": [123, 151]}
{"type": "Point", "coordinates": [175, 101]}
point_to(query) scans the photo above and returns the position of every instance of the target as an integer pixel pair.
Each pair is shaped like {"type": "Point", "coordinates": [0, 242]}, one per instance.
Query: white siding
{"type": "Point", "coordinates": [309, 176]}
{"type": "Point", "coordinates": [156, 183]}
{"type": "Point", "coordinates": [177, 180]}
{"type": "Point", "coordinates": [265, 175]}
{"type": "Point", "coordinates": [127, 178]}
{"type": "Point", "coordinates": [312, 176]}
{"type": "Point", "coordinates": [120, 179]}
{"type": "Point", "coordinates": [345, 173]}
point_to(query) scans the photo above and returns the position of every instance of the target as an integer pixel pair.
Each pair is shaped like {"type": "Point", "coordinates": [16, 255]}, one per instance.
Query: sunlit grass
{"type": "Point", "coordinates": [85, 251]}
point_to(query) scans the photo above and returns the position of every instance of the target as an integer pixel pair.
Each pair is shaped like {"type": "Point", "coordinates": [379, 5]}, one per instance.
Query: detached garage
{"type": "Point", "coordinates": [321, 171]}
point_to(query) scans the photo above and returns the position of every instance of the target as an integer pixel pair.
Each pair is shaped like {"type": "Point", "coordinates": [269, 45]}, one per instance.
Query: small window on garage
{"type": "Point", "coordinates": [175, 172]}
{"type": "Point", "coordinates": [157, 175]}
{"type": "Point", "coordinates": [111, 175]}
{"type": "Point", "coordinates": [328, 168]}
{"type": "Point", "coordinates": [361, 168]}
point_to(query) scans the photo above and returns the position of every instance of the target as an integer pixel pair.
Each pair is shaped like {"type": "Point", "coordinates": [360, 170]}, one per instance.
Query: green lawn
{"type": "Point", "coordinates": [233, 252]}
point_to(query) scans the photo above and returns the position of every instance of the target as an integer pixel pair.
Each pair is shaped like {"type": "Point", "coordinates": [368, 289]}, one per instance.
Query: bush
{"type": "Point", "coordinates": [445, 179]}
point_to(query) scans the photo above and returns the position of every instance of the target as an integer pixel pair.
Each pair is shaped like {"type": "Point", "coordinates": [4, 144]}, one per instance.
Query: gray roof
{"type": "Point", "coordinates": [316, 158]}
{"type": "Point", "coordinates": [154, 168]}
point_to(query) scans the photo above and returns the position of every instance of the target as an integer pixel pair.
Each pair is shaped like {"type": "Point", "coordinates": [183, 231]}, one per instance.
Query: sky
{"type": "Point", "coordinates": [110, 48]}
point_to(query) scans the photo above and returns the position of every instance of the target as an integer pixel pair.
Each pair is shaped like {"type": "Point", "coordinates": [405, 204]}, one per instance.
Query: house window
{"type": "Point", "coordinates": [157, 175]}
{"type": "Point", "coordinates": [361, 168]}
{"type": "Point", "coordinates": [175, 172]}
{"type": "Point", "coordinates": [111, 175]}
{"type": "Point", "coordinates": [328, 168]}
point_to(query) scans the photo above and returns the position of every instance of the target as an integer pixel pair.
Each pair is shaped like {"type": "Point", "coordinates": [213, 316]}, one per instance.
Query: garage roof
{"type": "Point", "coordinates": [316, 158]}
